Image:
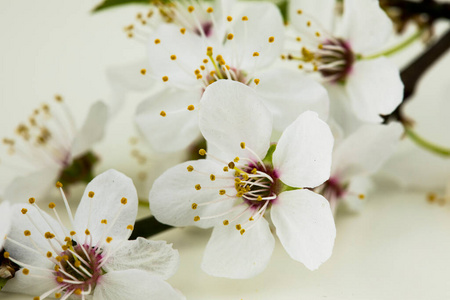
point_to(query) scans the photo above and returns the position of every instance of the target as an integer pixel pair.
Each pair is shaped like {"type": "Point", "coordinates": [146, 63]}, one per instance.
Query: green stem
{"type": "Point", "coordinates": [398, 47]}
{"type": "Point", "coordinates": [426, 144]}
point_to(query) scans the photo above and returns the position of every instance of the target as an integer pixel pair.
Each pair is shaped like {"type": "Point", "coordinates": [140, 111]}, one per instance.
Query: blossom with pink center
{"type": "Point", "coordinates": [340, 49]}
{"type": "Point", "coordinates": [94, 259]}
{"type": "Point", "coordinates": [243, 179]}
{"type": "Point", "coordinates": [186, 62]}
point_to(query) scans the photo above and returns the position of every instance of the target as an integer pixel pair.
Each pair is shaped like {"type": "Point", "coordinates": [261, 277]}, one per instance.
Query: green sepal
{"type": "Point", "coordinates": [3, 281]}
{"type": "Point", "coordinates": [113, 3]}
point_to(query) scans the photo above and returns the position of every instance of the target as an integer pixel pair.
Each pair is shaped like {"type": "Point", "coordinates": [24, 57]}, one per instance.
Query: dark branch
{"type": "Point", "coordinates": [433, 9]}
{"type": "Point", "coordinates": [416, 69]}
{"type": "Point", "coordinates": [147, 227]}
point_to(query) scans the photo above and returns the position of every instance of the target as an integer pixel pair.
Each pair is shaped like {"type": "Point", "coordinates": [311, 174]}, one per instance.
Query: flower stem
{"type": "Point", "coordinates": [398, 47]}
{"type": "Point", "coordinates": [148, 227]}
{"type": "Point", "coordinates": [426, 144]}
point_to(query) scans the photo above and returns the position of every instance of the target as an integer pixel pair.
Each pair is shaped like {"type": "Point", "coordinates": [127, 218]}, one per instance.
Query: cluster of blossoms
{"type": "Point", "coordinates": [286, 128]}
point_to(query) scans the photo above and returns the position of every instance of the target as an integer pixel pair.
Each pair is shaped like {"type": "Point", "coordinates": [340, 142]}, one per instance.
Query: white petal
{"type": "Point", "coordinates": [92, 131]}
{"type": "Point", "coordinates": [109, 188]}
{"type": "Point", "coordinates": [31, 285]}
{"type": "Point", "coordinates": [5, 222]}
{"type": "Point", "coordinates": [366, 150]}
{"type": "Point", "coordinates": [305, 226]}
{"type": "Point", "coordinates": [189, 49]}
{"type": "Point", "coordinates": [264, 21]}
{"type": "Point", "coordinates": [303, 153]}
{"type": "Point", "coordinates": [231, 113]}
{"type": "Point", "coordinates": [36, 184]}
{"type": "Point", "coordinates": [288, 93]}
{"type": "Point", "coordinates": [357, 186]}
{"type": "Point", "coordinates": [366, 26]}
{"type": "Point", "coordinates": [322, 11]}
{"type": "Point", "coordinates": [134, 284]}
{"type": "Point", "coordinates": [20, 223]}
{"type": "Point", "coordinates": [232, 255]}
{"type": "Point", "coordinates": [155, 257]}
{"type": "Point", "coordinates": [129, 76]}
{"type": "Point", "coordinates": [173, 194]}
{"type": "Point", "coordinates": [374, 88]}
{"type": "Point", "coordinates": [179, 128]}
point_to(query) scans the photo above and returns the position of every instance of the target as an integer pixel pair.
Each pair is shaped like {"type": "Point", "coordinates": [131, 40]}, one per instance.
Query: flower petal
{"type": "Point", "coordinates": [305, 226]}
{"type": "Point", "coordinates": [155, 257]}
{"type": "Point", "coordinates": [364, 151]}
{"type": "Point", "coordinates": [36, 283]}
{"type": "Point", "coordinates": [129, 76]}
{"type": "Point", "coordinates": [232, 255]}
{"type": "Point", "coordinates": [288, 93]}
{"type": "Point", "coordinates": [20, 223]}
{"type": "Point", "coordinates": [357, 186]}
{"type": "Point", "coordinates": [263, 22]}
{"type": "Point", "coordinates": [374, 88]}
{"type": "Point", "coordinates": [106, 204]}
{"type": "Point", "coordinates": [134, 284]}
{"type": "Point", "coordinates": [36, 184]}
{"type": "Point", "coordinates": [189, 49]}
{"type": "Point", "coordinates": [231, 113]}
{"type": "Point", "coordinates": [179, 128]}
{"type": "Point", "coordinates": [174, 193]}
{"type": "Point", "coordinates": [92, 131]}
{"type": "Point", "coordinates": [5, 222]}
{"type": "Point", "coordinates": [322, 11]}
{"type": "Point", "coordinates": [365, 25]}
{"type": "Point", "coordinates": [303, 153]}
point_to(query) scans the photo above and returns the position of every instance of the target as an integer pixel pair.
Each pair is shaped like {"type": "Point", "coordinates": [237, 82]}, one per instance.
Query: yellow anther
{"type": "Point", "coordinates": [51, 205]}
{"type": "Point", "coordinates": [251, 219]}
{"type": "Point", "coordinates": [256, 81]}
{"type": "Point", "coordinates": [143, 71]}
{"type": "Point", "coordinates": [242, 145]}
{"type": "Point", "coordinates": [361, 196]}
{"type": "Point", "coordinates": [271, 39]}
{"type": "Point", "coordinates": [199, 76]}
{"type": "Point", "coordinates": [87, 232]}
{"type": "Point", "coordinates": [130, 227]}
{"type": "Point", "coordinates": [6, 254]}
{"type": "Point", "coordinates": [27, 233]}
{"type": "Point", "coordinates": [67, 239]}
{"type": "Point", "coordinates": [222, 192]}
{"type": "Point", "coordinates": [123, 200]}
{"type": "Point", "coordinates": [58, 295]}
{"type": "Point", "coordinates": [259, 198]}
{"type": "Point", "coordinates": [299, 39]}
{"type": "Point", "coordinates": [202, 152]}
{"type": "Point", "coordinates": [231, 165]}
{"type": "Point", "coordinates": [77, 292]}
{"type": "Point", "coordinates": [229, 19]}
{"type": "Point", "coordinates": [109, 239]}
{"type": "Point", "coordinates": [194, 205]}
{"type": "Point", "coordinates": [56, 267]}
{"type": "Point", "coordinates": [66, 257]}
{"type": "Point", "coordinates": [190, 168]}
{"type": "Point", "coordinates": [225, 169]}
{"type": "Point", "coordinates": [255, 54]}
{"type": "Point", "coordinates": [58, 258]}
{"type": "Point", "coordinates": [230, 36]}
{"type": "Point", "coordinates": [202, 67]}
{"type": "Point", "coordinates": [238, 227]}
{"type": "Point", "coordinates": [190, 8]}
{"type": "Point", "coordinates": [212, 177]}
{"type": "Point", "coordinates": [165, 78]}
{"type": "Point", "coordinates": [299, 11]}
{"type": "Point", "coordinates": [244, 18]}
{"type": "Point", "coordinates": [198, 187]}
{"type": "Point", "coordinates": [162, 113]}
{"type": "Point", "coordinates": [317, 33]}
{"type": "Point", "coordinates": [209, 51]}
{"type": "Point", "coordinates": [24, 211]}
{"type": "Point", "coordinates": [196, 72]}
{"type": "Point", "coordinates": [308, 23]}
{"type": "Point", "coordinates": [205, 61]}
{"type": "Point", "coordinates": [72, 233]}
{"type": "Point", "coordinates": [157, 41]}
{"type": "Point", "coordinates": [183, 30]}
{"type": "Point", "coordinates": [196, 218]}
{"type": "Point", "coordinates": [315, 68]}
{"type": "Point", "coordinates": [25, 271]}
{"type": "Point", "coordinates": [104, 221]}
{"type": "Point", "coordinates": [60, 279]}
{"type": "Point", "coordinates": [59, 184]}
{"type": "Point", "coordinates": [36, 298]}
{"type": "Point", "coordinates": [254, 171]}
{"type": "Point", "coordinates": [236, 159]}
{"type": "Point", "coordinates": [300, 66]}
{"type": "Point", "coordinates": [242, 231]}
{"type": "Point", "coordinates": [31, 200]}
{"type": "Point", "coordinates": [173, 57]}
{"type": "Point", "coordinates": [209, 10]}
{"type": "Point", "coordinates": [190, 107]}
{"type": "Point", "coordinates": [77, 264]}
{"type": "Point", "coordinates": [49, 254]}
{"type": "Point", "coordinates": [48, 235]}
{"type": "Point", "coordinates": [226, 222]}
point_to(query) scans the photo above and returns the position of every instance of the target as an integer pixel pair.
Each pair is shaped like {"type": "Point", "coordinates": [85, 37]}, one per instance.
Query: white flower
{"type": "Point", "coordinates": [5, 222]}
{"type": "Point", "coordinates": [49, 147]}
{"type": "Point", "coordinates": [95, 258]}
{"type": "Point", "coordinates": [356, 158]}
{"type": "Point", "coordinates": [187, 62]}
{"type": "Point", "coordinates": [337, 51]}
{"type": "Point", "coordinates": [234, 189]}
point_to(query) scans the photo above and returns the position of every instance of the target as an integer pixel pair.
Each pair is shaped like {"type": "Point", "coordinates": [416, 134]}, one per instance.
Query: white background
{"type": "Point", "coordinates": [398, 248]}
